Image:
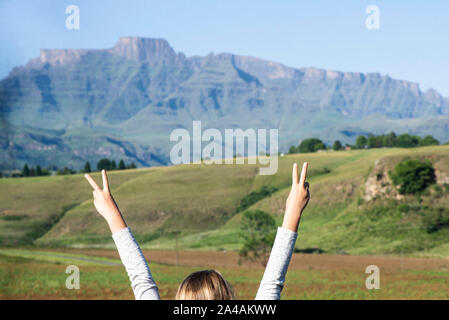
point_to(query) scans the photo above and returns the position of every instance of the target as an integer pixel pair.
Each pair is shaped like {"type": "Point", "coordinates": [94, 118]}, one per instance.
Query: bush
{"type": "Point", "coordinates": [361, 142]}
{"type": "Point", "coordinates": [429, 141]}
{"type": "Point", "coordinates": [311, 145]}
{"type": "Point", "coordinates": [408, 141]}
{"type": "Point", "coordinates": [258, 230]}
{"type": "Point", "coordinates": [413, 176]}
{"type": "Point", "coordinates": [435, 219]}
{"type": "Point", "coordinates": [104, 164]}
{"type": "Point", "coordinates": [337, 145]}
{"type": "Point", "coordinates": [255, 196]}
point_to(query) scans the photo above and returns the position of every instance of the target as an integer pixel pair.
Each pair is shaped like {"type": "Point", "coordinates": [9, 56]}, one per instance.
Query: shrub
{"type": "Point", "coordinates": [87, 168]}
{"type": "Point", "coordinates": [337, 145]}
{"type": "Point", "coordinates": [258, 230]}
{"type": "Point", "coordinates": [361, 142]}
{"type": "Point", "coordinates": [255, 196]}
{"type": "Point", "coordinates": [121, 165]}
{"type": "Point", "coordinates": [311, 145]}
{"type": "Point", "coordinates": [435, 219]}
{"type": "Point", "coordinates": [413, 176]}
{"type": "Point", "coordinates": [104, 164]}
{"type": "Point", "coordinates": [429, 141]}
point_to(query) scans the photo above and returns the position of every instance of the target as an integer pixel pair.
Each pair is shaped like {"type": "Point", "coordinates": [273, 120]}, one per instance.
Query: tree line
{"type": "Point", "coordinates": [106, 164]}
{"type": "Point", "coordinates": [390, 140]}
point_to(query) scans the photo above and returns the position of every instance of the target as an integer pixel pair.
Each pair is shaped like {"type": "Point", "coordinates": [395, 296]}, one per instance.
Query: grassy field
{"type": "Point", "coordinates": [355, 217]}
{"type": "Point", "coordinates": [195, 206]}
{"type": "Point", "coordinates": [33, 274]}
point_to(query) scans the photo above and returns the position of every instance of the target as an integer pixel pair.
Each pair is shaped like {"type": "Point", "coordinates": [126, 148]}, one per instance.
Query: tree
{"type": "Point", "coordinates": [413, 176]}
{"type": "Point", "coordinates": [408, 141]}
{"type": "Point", "coordinates": [429, 141]}
{"type": "Point", "coordinates": [121, 165]}
{"type": "Point", "coordinates": [390, 140]}
{"type": "Point", "coordinates": [311, 145]}
{"type": "Point", "coordinates": [113, 165]}
{"type": "Point", "coordinates": [132, 166]}
{"type": "Point", "coordinates": [104, 164]}
{"type": "Point", "coordinates": [25, 171]}
{"type": "Point", "coordinates": [337, 145]}
{"type": "Point", "coordinates": [86, 168]}
{"type": "Point", "coordinates": [38, 170]}
{"type": "Point", "coordinates": [361, 142]}
{"type": "Point", "coordinates": [258, 230]}
{"type": "Point", "coordinates": [293, 149]}
{"type": "Point", "coordinates": [65, 171]}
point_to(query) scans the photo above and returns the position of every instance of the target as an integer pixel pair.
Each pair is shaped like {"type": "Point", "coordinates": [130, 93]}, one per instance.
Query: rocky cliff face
{"type": "Point", "coordinates": [140, 89]}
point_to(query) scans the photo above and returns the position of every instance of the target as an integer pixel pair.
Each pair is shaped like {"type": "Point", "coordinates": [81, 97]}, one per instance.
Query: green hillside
{"type": "Point", "coordinates": [353, 208]}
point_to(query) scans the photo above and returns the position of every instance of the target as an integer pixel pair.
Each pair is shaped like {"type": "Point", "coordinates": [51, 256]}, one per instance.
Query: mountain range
{"type": "Point", "coordinates": [68, 106]}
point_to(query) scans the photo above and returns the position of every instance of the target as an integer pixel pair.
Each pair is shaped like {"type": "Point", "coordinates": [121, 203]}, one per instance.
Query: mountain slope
{"type": "Point", "coordinates": [141, 89]}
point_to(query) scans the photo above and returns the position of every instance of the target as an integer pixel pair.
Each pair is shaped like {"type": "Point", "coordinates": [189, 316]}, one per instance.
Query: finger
{"type": "Point", "coordinates": [302, 180]}
{"type": "Point", "coordinates": [92, 182]}
{"type": "Point", "coordinates": [295, 174]}
{"type": "Point", "coordinates": [105, 180]}
{"type": "Point", "coordinates": [94, 193]}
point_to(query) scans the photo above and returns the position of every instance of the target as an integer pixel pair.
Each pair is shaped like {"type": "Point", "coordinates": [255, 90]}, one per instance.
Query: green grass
{"type": "Point", "coordinates": [195, 206]}
{"type": "Point", "coordinates": [29, 274]}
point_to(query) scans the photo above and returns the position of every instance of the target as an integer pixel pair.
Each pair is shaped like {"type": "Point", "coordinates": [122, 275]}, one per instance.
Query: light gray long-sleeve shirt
{"type": "Point", "coordinates": [145, 288]}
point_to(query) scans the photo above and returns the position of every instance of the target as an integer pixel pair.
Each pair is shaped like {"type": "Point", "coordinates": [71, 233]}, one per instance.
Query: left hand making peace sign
{"type": "Point", "coordinates": [105, 204]}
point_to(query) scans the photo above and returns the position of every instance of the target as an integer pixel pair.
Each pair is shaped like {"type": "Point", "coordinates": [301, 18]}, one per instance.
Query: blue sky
{"type": "Point", "coordinates": [411, 44]}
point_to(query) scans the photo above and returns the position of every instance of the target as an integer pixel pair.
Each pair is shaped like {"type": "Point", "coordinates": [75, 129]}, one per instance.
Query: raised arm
{"type": "Point", "coordinates": [273, 279]}
{"type": "Point", "coordinates": [139, 273]}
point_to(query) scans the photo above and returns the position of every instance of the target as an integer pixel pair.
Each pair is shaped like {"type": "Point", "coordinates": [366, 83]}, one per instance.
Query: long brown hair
{"type": "Point", "coordinates": [205, 285]}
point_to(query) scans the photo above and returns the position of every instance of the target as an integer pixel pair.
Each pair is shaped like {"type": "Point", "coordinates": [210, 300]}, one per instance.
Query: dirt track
{"type": "Point", "coordinates": [217, 259]}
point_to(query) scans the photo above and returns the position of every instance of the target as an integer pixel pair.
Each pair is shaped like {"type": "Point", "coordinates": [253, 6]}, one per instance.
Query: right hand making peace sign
{"type": "Point", "coordinates": [297, 200]}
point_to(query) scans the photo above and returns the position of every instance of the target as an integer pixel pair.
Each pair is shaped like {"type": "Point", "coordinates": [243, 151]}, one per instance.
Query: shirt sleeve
{"type": "Point", "coordinates": [273, 279]}
{"type": "Point", "coordinates": [139, 273]}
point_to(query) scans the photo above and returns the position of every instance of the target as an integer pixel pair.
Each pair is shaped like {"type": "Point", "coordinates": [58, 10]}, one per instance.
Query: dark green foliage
{"type": "Point", "coordinates": [337, 145]}
{"type": "Point", "coordinates": [429, 141]}
{"type": "Point", "coordinates": [391, 140]}
{"type": "Point", "coordinates": [66, 171]}
{"type": "Point", "coordinates": [309, 250]}
{"type": "Point", "coordinates": [374, 141]}
{"type": "Point", "coordinates": [121, 165]}
{"type": "Point", "coordinates": [308, 145]}
{"type": "Point", "coordinates": [39, 228]}
{"type": "Point", "coordinates": [255, 196]}
{"type": "Point", "coordinates": [293, 150]}
{"type": "Point", "coordinates": [407, 141]}
{"type": "Point", "coordinates": [361, 142]}
{"type": "Point", "coordinates": [131, 166]}
{"type": "Point", "coordinates": [87, 168]}
{"type": "Point", "coordinates": [26, 171]}
{"type": "Point", "coordinates": [12, 217]}
{"type": "Point", "coordinates": [104, 164]}
{"type": "Point", "coordinates": [435, 219]}
{"type": "Point", "coordinates": [107, 164]}
{"type": "Point", "coordinates": [413, 176]}
{"type": "Point", "coordinates": [32, 172]}
{"type": "Point", "coordinates": [258, 230]}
